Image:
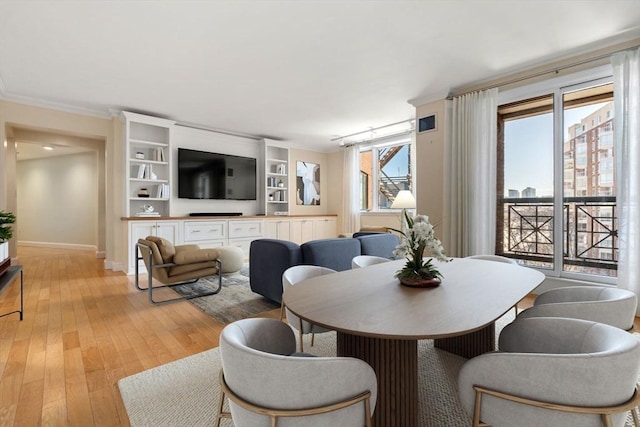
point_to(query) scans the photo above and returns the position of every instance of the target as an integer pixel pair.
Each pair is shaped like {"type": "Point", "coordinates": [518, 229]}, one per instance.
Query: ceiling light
{"type": "Point", "coordinates": [48, 147]}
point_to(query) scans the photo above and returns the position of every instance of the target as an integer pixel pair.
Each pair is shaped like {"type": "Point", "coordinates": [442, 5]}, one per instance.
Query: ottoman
{"type": "Point", "coordinates": [232, 258]}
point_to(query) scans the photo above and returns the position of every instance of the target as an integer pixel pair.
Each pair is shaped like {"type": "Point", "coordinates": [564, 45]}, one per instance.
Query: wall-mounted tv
{"type": "Point", "coordinates": [206, 175]}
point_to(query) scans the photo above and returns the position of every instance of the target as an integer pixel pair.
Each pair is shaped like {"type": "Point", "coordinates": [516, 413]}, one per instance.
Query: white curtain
{"type": "Point", "coordinates": [351, 190]}
{"type": "Point", "coordinates": [626, 80]}
{"type": "Point", "coordinates": [470, 175]}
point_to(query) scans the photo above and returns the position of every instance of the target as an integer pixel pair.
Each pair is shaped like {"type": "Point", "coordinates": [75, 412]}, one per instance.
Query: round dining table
{"type": "Point", "coordinates": [379, 320]}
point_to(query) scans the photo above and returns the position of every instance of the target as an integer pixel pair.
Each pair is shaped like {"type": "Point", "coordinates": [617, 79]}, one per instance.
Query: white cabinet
{"type": "Point", "coordinates": [301, 230]}
{"type": "Point", "coordinates": [147, 163]}
{"type": "Point", "coordinates": [242, 233]}
{"type": "Point", "coordinates": [278, 229]}
{"type": "Point", "coordinates": [273, 172]}
{"type": "Point", "coordinates": [169, 230]}
{"type": "Point", "coordinates": [325, 228]}
{"type": "Point", "coordinates": [206, 234]}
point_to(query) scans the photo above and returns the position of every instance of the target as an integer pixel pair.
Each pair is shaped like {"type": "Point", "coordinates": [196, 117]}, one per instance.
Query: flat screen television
{"type": "Point", "coordinates": [206, 175]}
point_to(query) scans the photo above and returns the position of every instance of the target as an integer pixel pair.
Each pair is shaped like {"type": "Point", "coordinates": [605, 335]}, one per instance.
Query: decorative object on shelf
{"type": "Point", "coordinates": [147, 208]}
{"type": "Point", "coordinates": [140, 155]}
{"type": "Point", "coordinates": [280, 183]}
{"type": "Point", "coordinates": [271, 197]}
{"type": "Point", "coordinates": [419, 238]}
{"type": "Point", "coordinates": [308, 183]}
{"type": "Point", "coordinates": [143, 192]}
{"type": "Point", "coordinates": [281, 169]}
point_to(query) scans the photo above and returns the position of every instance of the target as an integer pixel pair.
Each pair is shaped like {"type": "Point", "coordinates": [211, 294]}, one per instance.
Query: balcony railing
{"type": "Point", "coordinates": [590, 232]}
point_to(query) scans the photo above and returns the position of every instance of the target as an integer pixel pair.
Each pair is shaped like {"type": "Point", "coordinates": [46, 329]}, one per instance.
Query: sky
{"type": "Point", "coordinates": [528, 156]}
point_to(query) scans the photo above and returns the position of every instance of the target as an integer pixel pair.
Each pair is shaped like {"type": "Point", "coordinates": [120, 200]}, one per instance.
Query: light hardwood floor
{"type": "Point", "coordinates": [84, 328]}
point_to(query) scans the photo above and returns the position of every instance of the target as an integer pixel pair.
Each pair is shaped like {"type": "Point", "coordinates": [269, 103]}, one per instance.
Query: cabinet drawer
{"type": "Point", "coordinates": [205, 230]}
{"type": "Point", "coordinates": [244, 244]}
{"type": "Point", "coordinates": [245, 229]}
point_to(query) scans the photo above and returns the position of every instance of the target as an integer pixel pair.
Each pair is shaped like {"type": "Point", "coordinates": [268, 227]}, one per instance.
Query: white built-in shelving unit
{"type": "Point", "coordinates": [147, 163]}
{"type": "Point", "coordinates": [273, 173]}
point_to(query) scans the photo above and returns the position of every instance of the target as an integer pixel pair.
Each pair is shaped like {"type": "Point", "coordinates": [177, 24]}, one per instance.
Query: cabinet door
{"type": "Point", "coordinates": [284, 230]}
{"type": "Point", "coordinates": [271, 229]}
{"type": "Point", "coordinates": [168, 230]}
{"type": "Point", "coordinates": [301, 230]}
{"type": "Point", "coordinates": [325, 228]}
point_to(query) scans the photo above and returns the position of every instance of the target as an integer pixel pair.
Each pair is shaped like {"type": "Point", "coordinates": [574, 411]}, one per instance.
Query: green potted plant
{"type": "Point", "coordinates": [414, 242]}
{"type": "Point", "coordinates": [6, 231]}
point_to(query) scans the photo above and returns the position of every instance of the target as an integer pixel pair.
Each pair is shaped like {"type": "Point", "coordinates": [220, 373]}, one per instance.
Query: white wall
{"type": "Point", "coordinates": [58, 200]}
{"type": "Point", "coordinates": [197, 139]}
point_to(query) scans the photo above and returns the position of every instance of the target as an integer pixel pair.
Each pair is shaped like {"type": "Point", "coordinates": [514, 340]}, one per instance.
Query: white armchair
{"type": "Point", "coordinates": [361, 261]}
{"type": "Point", "coordinates": [290, 277]}
{"type": "Point", "coordinates": [613, 306]}
{"type": "Point", "coordinates": [554, 372]}
{"type": "Point", "coordinates": [266, 386]}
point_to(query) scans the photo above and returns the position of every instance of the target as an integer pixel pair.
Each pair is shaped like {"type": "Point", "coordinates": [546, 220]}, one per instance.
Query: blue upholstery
{"type": "Point", "coordinates": [381, 244]}
{"type": "Point", "coordinates": [269, 258]}
{"type": "Point", "coordinates": [331, 253]}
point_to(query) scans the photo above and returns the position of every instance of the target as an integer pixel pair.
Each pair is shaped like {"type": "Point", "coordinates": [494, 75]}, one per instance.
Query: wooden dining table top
{"type": "Point", "coordinates": [371, 302]}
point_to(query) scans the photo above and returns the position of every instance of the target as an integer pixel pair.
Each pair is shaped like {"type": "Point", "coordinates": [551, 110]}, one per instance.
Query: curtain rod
{"type": "Point", "coordinates": [554, 70]}
{"type": "Point", "coordinates": [370, 130]}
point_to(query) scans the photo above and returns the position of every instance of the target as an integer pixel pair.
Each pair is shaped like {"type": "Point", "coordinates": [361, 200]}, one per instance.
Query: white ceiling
{"type": "Point", "coordinates": [298, 71]}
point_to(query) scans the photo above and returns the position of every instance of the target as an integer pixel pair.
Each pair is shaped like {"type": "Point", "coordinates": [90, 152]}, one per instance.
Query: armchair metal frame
{"type": "Point", "coordinates": [274, 414]}
{"type": "Point", "coordinates": [604, 411]}
{"type": "Point", "coordinates": [140, 256]}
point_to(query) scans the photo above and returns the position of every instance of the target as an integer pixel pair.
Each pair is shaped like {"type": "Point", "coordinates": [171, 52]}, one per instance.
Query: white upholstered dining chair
{"type": "Point", "coordinates": [267, 385]}
{"type": "Point", "coordinates": [496, 258]}
{"type": "Point", "coordinates": [604, 304]}
{"type": "Point", "coordinates": [290, 277]}
{"type": "Point", "coordinates": [366, 260]}
{"type": "Point", "coordinates": [555, 372]}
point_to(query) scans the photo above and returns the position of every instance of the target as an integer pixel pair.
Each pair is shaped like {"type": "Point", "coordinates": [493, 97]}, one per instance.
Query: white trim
{"type": "Point", "coordinates": [55, 245]}
{"type": "Point", "coordinates": [51, 105]}
{"type": "Point", "coordinates": [549, 86]}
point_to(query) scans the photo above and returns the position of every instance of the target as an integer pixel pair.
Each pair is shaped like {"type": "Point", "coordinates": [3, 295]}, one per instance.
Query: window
{"type": "Point", "coordinates": [557, 145]}
{"type": "Point", "coordinates": [385, 169]}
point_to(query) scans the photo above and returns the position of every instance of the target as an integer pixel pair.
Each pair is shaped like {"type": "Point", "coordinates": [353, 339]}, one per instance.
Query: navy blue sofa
{"type": "Point", "coordinates": [269, 258]}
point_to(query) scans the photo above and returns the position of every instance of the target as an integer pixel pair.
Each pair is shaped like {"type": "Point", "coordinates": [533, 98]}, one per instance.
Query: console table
{"type": "Point", "coordinates": [6, 279]}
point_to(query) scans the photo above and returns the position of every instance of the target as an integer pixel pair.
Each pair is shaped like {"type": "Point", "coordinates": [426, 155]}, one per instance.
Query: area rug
{"type": "Point", "coordinates": [186, 392]}
{"type": "Point", "coordinates": [235, 301]}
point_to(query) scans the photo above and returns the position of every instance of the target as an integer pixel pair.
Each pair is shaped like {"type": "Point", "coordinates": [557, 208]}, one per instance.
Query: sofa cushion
{"type": "Point", "coordinates": [381, 244]}
{"type": "Point", "coordinates": [192, 256]}
{"type": "Point", "coordinates": [166, 248]}
{"type": "Point", "coordinates": [334, 253]}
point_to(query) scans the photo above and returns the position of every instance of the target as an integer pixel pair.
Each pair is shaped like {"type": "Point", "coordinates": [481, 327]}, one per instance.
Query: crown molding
{"type": "Point", "coordinates": [429, 98]}
{"type": "Point", "coordinates": [51, 105]}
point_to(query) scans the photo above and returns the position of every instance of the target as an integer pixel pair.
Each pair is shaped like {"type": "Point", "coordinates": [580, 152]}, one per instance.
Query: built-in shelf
{"type": "Point", "coordinates": [274, 170]}
{"type": "Point", "coordinates": [147, 162]}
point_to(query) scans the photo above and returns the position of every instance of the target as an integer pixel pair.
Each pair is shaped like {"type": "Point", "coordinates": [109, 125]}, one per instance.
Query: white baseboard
{"type": "Point", "coordinates": [113, 265]}
{"type": "Point", "coordinates": [54, 245]}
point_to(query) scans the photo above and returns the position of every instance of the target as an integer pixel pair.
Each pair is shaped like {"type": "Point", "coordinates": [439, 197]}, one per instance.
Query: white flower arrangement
{"type": "Point", "coordinates": [414, 243]}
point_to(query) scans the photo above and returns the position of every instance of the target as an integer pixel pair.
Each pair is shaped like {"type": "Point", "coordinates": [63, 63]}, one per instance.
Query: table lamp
{"type": "Point", "coordinates": [404, 200]}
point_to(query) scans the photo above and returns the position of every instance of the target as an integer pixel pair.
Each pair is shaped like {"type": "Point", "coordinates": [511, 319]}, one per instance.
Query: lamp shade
{"type": "Point", "coordinates": [404, 200]}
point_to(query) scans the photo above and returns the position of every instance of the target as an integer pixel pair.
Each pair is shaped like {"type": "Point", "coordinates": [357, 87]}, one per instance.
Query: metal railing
{"type": "Point", "coordinates": [590, 231]}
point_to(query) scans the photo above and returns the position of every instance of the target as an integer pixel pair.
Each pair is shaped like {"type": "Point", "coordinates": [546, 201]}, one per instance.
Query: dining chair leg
{"type": "Point", "coordinates": [313, 338]}
{"type": "Point", "coordinates": [300, 334]}
{"type": "Point", "coordinates": [221, 413]}
{"type": "Point", "coordinates": [634, 414]}
{"type": "Point", "coordinates": [282, 312]}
